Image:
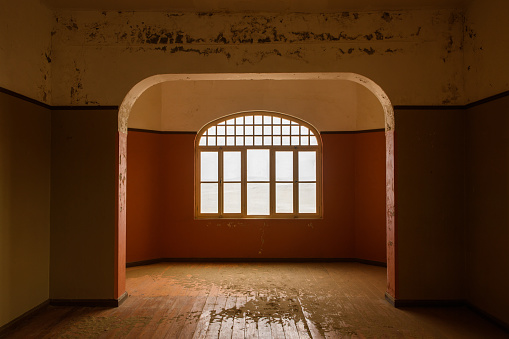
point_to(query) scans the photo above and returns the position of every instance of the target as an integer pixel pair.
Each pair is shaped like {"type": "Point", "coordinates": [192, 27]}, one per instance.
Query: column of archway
{"type": "Point", "coordinates": [139, 88]}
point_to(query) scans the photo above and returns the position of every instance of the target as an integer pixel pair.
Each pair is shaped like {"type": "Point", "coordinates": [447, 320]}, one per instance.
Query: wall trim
{"type": "Point", "coordinates": [159, 132]}
{"type": "Point", "coordinates": [90, 302]}
{"type": "Point", "coordinates": [274, 260]}
{"type": "Point", "coordinates": [16, 321]}
{"type": "Point", "coordinates": [488, 316]}
{"type": "Point", "coordinates": [396, 107]}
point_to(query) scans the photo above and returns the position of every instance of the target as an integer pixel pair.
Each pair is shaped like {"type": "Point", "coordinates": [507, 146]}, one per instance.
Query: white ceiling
{"type": "Point", "coordinates": [285, 6]}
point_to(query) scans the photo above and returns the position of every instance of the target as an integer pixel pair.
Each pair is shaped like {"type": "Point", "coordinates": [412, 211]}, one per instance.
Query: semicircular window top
{"type": "Point", "coordinates": [258, 165]}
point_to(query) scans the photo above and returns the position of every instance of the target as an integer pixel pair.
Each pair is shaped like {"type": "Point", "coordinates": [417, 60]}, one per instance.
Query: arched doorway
{"type": "Point", "coordinates": [138, 89]}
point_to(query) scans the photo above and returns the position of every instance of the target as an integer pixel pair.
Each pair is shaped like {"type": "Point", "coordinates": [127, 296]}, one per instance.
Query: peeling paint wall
{"type": "Point", "coordinates": [486, 49]}
{"type": "Point", "coordinates": [416, 56]}
{"type": "Point", "coordinates": [25, 49]}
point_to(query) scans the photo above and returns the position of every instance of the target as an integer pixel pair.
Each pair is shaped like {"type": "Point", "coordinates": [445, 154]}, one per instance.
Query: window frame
{"type": "Point", "coordinates": [272, 175]}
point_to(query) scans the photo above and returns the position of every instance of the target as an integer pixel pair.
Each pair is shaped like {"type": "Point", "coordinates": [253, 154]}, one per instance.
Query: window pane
{"type": "Point", "coordinates": [304, 130]}
{"type": "Point", "coordinates": [285, 122]}
{"type": "Point", "coordinates": [307, 166]}
{"type": "Point", "coordinates": [295, 141]}
{"type": "Point", "coordinates": [284, 166]}
{"type": "Point", "coordinates": [203, 141]}
{"type": "Point", "coordinates": [276, 120]}
{"type": "Point", "coordinates": [212, 130]}
{"type": "Point", "coordinates": [258, 130]}
{"type": "Point", "coordinates": [212, 141]}
{"type": "Point", "coordinates": [258, 168]}
{"type": "Point", "coordinates": [307, 198]}
{"type": "Point", "coordinates": [230, 122]}
{"type": "Point", "coordinates": [295, 130]}
{"type": "Point", "coordinates": [258, 141]}
{"type": "Point", "coordinates": [304, 141]}
{"type": "Point", "coordinates": [267, 130]}
{"type": "Point", "coordinates": [240, 141]}
{"type": "Point", "coordinates": [267, 120]}
{"type": "Point", "coordinates": [230, 141]}
{"type": "Point", "coordinates": [231, 166]}
{"type": "Point", "coordinates": [240, 130]}
{"type": "Point", "coordinates": [286, 141]}
{"type": "Point", "coordinates": [249, 141]}
{"type": "Point", "coordinates": [286, 130]}
{"type": "Point", "coordinates": [208, 166]}
{"type": "Point", "coordinates": [209, 198]}
{"type": "Point", "coordinates": [313, 141]}
{"type": "Point", "coordinates": [232, 198]}
{"type": "Point", "coordinates": [258, 119]}
{"type": "Point", "coordinates": [221, 141]}
{"type": "Point", "coordinates": [276, 141]}
{"type": "Point", "coordinates": [249, 130]}
{"type": "Point", "coordinates": [240, 121]}
{"type": "Point", "coordinates": [276, 130]}
{"type": "Point", "coordinates": [230, 130]}
{"type": "Point", "coordinates": [284, 198]}
{"type": "Point", "coordinates": [249, 119]}
{"type": "Point", "coordinates": [267, 141]}
{"type": "Point", "coordinates": [220, 130]}
{"type": "Point", "coordinates": [258, 199]}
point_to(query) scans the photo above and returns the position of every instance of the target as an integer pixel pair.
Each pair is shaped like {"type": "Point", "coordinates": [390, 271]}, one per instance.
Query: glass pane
{"type": "Point", "coordinates": [295, 141]}
{"type": "Point", "coordinates": [258, 119]}
{"type": "Point", "coordinates": [249, 141]}
{"type": "Point", "coordinates": [295, 130]}
{"type": "Point", "coordinates": [294, 123]}
{"type": "Point", "coordinates": [276, 120]}
{"type": "Point", "coordinates": [258, 130]}
{"type": "Point", "coordinates": [230, 141]}
{"type": "Point", "coordinates": [284, 198]}
{"type": "Point", "coordinates": [208, 166]}
{"type": "Point", "coordinates": [209, 198]}
{"type": "Point", "coordinates": [240, 141]}
{"type": "Point", "coordinates": [304, 141]}
{"type": "Point", "coordinates": [307, 166]}
{"type": "Point", "coordinates": [267, 141]}
{"type": "Point", "coordinates": [286, 141]}
{"type": "Point", "coordinates": [221, 141]}
{"type": "Point", "coordinates": [258, 141]}
{"type": "Point", "coordinates": [240, 130]}
{"type": "Point", "coordinates": [276, 130]}
{"type": "Point", "coordinates": [221, 123]}
{"type": "Point", "coordinates": [307, 198]}
{"type": "Point", "coordinates": [239, 121]}
{"type": "Point", "coordinates": [312, 141]}
{"type": "Point", "coordinates": [276, 141]}
{"type": "Point", "coordinates": [258, 168]}
{"type": "Point", "coordinates": [249, 119]}
{"type": "Point", "coordinates": [284, 166]}
{"type": "Point", "coordinates": [220, 130]}
{"type": "Point", "coordinates": [249, 130]}
{"type": "Point", "coordinates": [231, 166]}
{"type": "Point", "coordinates": [230, 122]}
{"type": "Point", "coordinates": [232, 198]}
{"type": "Point", "coordinates": [230, 130]}
{"type": "Point", "coordinates": [212, 141]}
{"type": "Point", "coordinates": [286, 130]}
{"type": "Point", "coordinates": [203, 141]}
{"type": "Point", "coordinates": [258, 199]}
{"type": "Point", "coordinates": [267, 130]}
{"type": "Point", "coordinates": [285, 122]}
{"type": "Point", "coordinates": [212, 130]}
{"type": "Point", "coordinates": [304, 130]}
{"type": "Point", "coordinates": [267, 120]}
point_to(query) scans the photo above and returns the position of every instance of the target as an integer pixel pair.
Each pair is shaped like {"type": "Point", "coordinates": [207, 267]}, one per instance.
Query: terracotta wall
{"type": "Point", "coordinates": [25, 137]}
{"type": "Point", "coordinates": [160, 206]}
{"type": "Point", "coordinates": [487, 207]}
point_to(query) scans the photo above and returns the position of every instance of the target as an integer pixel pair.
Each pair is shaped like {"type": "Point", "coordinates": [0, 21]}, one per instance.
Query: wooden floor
{"type": "Point", "coordinates": [256, 300]}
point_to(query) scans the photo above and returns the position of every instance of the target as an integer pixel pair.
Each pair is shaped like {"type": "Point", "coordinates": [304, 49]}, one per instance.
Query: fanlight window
{"type": "Point", "coordinates": [258, 165]}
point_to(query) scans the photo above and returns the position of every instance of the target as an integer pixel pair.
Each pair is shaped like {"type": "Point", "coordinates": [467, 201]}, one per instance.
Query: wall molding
{"type": "Point", "coordinates": [255, 260]}
{"type": "Point", "coordinates": [396, 107]}
{"type": "Point", "coordinates": [18, 320]}
{"type": "Point", "coordinates": [90, 302]}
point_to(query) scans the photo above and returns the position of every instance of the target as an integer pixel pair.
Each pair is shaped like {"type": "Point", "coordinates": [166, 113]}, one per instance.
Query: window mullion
{"type": "Point", "coordinates": [220, 182]}
{"type": "Point", "coordinates": [243, 188]}
{"type": "Point", "coordinates": [295, 182]}
{"type": "Point", "coordinates": [272, 179]}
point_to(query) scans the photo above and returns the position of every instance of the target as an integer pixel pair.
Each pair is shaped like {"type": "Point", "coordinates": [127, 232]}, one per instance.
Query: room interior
{"type": "Point", "coordinates": [72, 73]}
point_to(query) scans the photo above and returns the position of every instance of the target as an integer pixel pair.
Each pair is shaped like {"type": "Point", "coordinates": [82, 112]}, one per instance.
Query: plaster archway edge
{"type": "Point", "coordinates": [142, 86]}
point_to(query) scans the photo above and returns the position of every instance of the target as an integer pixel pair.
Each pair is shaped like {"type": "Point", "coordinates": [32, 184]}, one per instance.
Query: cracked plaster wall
{"type": "Point", "coordinates": [25, 48]}
{"type": "Point", "coordinates": [415, 56]}
{"type": "Point", "coordinates": [486, 49]}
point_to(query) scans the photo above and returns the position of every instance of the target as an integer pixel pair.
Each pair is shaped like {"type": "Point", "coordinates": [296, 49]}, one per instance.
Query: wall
{"type": "Point", "coordinates": [487, 207]}
{"type": "Point", "coordinates": [25, 48]}
{"type": "Point", "coordinates": [25, 136]}
{"type": "Point", "coordinates": [160, 206]}
{"type": "Point", "coordinates": [100, 56]}
{"type": "Point", "coordinates": [429, 197]}
{"type": "Point", "coordinates": [83, 191]}
{"type": "Point", "coordinates": [486, 47]}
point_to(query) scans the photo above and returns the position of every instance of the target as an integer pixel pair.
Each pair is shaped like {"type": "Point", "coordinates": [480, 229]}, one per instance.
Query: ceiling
{"type": "Point", "coordinates": [285, 6]}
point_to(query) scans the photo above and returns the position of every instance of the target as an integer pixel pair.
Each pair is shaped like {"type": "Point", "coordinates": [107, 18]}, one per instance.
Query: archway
{"type": "Point", "coordinates": [139, 88]}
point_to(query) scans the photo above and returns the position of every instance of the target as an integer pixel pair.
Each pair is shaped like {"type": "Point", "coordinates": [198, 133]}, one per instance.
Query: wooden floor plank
{"type": "Point", "coordinates": [228, 317]}
{"type": "Point", "coordinates": [205, 317]}
{"type": "Point", "coordinates": [239, 323]}
{"type": "Point", "coordinates": [215, 322]}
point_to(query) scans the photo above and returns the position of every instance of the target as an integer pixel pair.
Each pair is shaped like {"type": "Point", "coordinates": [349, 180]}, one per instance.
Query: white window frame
{"type": "Point", "coordinates": [272, 182]}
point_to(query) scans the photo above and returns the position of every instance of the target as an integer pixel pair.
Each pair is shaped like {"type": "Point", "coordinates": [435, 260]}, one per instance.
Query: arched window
{"type": "Point", "coordinates": [258, 164]}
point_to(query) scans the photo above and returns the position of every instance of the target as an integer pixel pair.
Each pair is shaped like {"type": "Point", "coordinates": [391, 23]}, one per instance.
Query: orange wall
{"type": "Point", "coordinates": [160, 206]}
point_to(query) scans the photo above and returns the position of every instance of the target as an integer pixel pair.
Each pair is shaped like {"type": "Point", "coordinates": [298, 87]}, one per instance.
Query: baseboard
{"type": "Point", "coordinates": [90, 302]}
{"type": "Point", "coordinates": [488, 316]}
{"type": "Point", "coordinates": [288, 260]}
{"type": "Point", "coordinates": [423, 302]}
{"type": "Point", "coordinates": [13, 323]}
